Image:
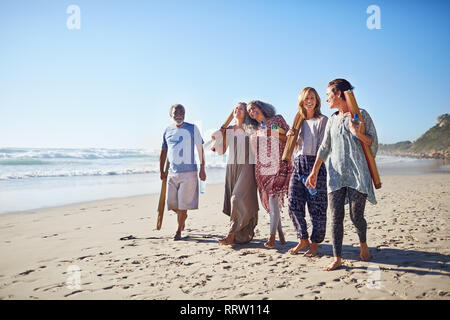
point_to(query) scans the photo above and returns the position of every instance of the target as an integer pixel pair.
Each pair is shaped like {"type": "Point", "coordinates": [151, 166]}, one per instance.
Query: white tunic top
{"type": "Point", "coordinates": [311, 135]}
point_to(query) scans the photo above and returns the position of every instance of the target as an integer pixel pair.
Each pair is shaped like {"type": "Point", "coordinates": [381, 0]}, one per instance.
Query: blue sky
{"type": "Point", "coordinates": [111, 83]}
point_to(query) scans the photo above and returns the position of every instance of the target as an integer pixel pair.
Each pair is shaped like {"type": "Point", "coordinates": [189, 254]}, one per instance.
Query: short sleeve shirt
{"type": "Point", "coordinates": [180, 143]}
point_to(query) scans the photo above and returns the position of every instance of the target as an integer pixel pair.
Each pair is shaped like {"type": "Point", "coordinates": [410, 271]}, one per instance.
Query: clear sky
{"type": "Point", "coordinates": [111, 82]}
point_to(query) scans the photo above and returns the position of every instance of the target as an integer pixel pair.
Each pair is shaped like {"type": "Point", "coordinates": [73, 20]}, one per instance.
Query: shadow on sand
{"type": "Point", "coordinates": [402, 260]}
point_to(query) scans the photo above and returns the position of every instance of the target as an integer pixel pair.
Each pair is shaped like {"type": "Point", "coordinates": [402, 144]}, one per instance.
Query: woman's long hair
{"type": "Point", "coordinates": [301, 102]}
{"type": "Point", "coordinates": [249, 123]}
{"type": "Point", "coordinates": [267, 110]}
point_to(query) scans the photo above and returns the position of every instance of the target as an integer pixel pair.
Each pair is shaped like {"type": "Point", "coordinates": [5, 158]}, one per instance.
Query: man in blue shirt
{"type": "Point", "coordinates": [179, 142]}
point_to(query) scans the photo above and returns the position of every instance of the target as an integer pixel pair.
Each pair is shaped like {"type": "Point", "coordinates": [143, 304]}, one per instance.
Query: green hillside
{"type": "Point", "coordinates": [435, 143]}
{"type": "Point", "coordinates": [435, 139]}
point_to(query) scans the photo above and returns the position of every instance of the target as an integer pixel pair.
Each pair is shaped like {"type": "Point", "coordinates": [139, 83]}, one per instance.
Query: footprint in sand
{"type": "Point", "coordinates": [72, 293]}
{"type": "Point", "coordinates": [53, 235]}
{"type": "Point", "coordinates": [26, 272]}
{"type": "Point", "coordinates": [84, 257]}
{"type": "Point", "coordinates": [244, 253]}
{"type": "Point", "coordinates": [48, 288]}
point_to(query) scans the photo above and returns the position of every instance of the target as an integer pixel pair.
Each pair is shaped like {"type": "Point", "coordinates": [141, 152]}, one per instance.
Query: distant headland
{"type": "Point", "coordinates": [435, 143]}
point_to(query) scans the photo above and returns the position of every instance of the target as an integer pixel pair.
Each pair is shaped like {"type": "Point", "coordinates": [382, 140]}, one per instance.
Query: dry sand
{"type": "Point", "coordinates": [408, 237]}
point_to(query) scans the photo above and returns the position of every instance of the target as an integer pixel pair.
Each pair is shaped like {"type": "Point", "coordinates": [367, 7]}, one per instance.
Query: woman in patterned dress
{"type": "Point", "coordinates": [272, 174]}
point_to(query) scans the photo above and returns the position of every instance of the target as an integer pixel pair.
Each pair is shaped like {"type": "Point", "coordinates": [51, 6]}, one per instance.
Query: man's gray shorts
{"type": "Point", "coordinates": [182, 191]}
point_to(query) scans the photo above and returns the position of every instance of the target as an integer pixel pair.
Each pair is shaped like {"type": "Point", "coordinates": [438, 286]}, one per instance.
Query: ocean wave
{"type": "Point", "coordinates": [74, 173]}
{"type": "Point", "coordinates": [86, 172]}
{"type": "Point", "coordinates": [387, 159]}
{"type": "Point", "coordinates": [82, 154]}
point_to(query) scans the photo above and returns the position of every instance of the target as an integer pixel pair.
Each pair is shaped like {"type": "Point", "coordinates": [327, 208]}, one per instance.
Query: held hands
{"type": "Point", "coordinates": [163, 175]}
{"type": "Point", "coordinates": [311, 181]}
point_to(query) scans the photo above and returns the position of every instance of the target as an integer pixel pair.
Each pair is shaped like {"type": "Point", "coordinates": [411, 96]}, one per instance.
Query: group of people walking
{"type": "Point", "coordinates": [329, 158]}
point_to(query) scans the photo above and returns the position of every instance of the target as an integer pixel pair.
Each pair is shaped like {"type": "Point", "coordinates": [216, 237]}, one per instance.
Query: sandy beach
{"type": "Point", "coordinates": [120, 255]}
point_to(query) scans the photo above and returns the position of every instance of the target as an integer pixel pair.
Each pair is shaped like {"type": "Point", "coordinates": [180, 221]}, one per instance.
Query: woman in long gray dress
{"type": "Point", "coordinates": [240, 200]}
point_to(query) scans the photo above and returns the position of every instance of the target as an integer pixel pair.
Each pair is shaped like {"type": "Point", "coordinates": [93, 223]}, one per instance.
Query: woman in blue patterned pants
{"type": "Point", "coordinates": [308, 142]}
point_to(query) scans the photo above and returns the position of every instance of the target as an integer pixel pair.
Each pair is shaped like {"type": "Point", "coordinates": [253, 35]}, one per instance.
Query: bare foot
{"type": "Point", "coordinates": [337, 263]}
{"type": "Point", "coordinates": [312, 252]}
{"type": "Point", "coordinates": [303, 244]}
{"type": "Point", "coordinates": [269, 245]}
{"type": "Point", "coordinates": [227, 241]}
{"type": "Point", "coordinates": [365, 253]}
{"type": "Point", "coordinates": [271, 242]}
{"type": "Point", "coordinates": [177, 236]}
